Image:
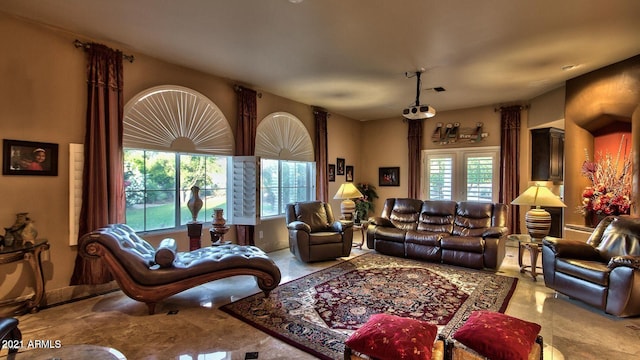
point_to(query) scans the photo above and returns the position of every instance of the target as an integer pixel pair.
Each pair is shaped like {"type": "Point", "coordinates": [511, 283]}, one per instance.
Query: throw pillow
{"type": "Point", "coordinates": [498, 336]}
{"type": "Point", "coordinates": [390, 337]}
{"type": "Point", "coordinates": [166, 253]}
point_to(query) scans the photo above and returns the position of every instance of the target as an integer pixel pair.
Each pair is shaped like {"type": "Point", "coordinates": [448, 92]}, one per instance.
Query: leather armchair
{"type": "Point", "coordinates": [314, 234]}
{"type": "Point", "coordinates": [604, 272]}
{"type": "Point", "coordinates": [9, 332]}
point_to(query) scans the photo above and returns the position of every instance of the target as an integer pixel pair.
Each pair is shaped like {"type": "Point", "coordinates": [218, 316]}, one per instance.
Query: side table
{"type": "Point", "coordinates": [534, 246]}
{"type": "Point", "coordinates": [31, 253]}
{"type": "Point", "coordinates": [362, 226]}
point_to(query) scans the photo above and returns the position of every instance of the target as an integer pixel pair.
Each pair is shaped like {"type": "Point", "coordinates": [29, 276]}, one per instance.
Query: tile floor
{"type": "Point", "coordinates": [200, 331]}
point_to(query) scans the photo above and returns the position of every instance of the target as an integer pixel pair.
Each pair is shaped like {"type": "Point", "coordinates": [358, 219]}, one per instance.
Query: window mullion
{"type": "Point", "coordinates": [178, 193]}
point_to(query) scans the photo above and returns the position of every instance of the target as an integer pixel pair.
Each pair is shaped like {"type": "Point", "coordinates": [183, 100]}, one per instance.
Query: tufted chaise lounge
{"type": "Point", "coordinates": [149, 275]}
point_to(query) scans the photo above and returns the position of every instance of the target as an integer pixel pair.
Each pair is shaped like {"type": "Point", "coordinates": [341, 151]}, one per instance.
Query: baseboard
{"type": "Point", "coordinates": [77, 292]}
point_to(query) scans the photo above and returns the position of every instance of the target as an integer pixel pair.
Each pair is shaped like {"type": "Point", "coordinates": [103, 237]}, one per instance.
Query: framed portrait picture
{"type": "Point", "coordinates": [349, 173]}
{"type": "Point", "coordinates": [389, 176]}
{"type": "Point", "coordinates": [332, 172]}
{"type": "Point", "coordinates": [29, 158]}
{"type": "Point", "coordinates": [339, 166]}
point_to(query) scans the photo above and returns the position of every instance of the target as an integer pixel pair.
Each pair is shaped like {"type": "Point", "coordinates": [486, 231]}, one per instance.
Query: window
{"type": "Point", "coordinates": [174, 138]}
{"type": "Point", "coordinates": [287, 170]}
{"type": "Point", "coordinates": [469, 174]}
{"type": "Point", "coordinates": [158, 186]}
{"type": "Point", "coordinates": [284, 182]}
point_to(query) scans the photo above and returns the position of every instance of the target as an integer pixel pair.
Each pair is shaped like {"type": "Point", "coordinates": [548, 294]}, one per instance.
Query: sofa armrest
{"type": "Point", "coordinates": [299, 225]}
{"type": "Point", "coordinates": [341, 226]}
{"type": "Point", "coordinates": [572, 249]}
{"type": "Point", "coordinates": [380, 221]}
{"type": "Point", "coordinates": [495, 232]}
{"type": "Point", "coordinates": [626, 261]}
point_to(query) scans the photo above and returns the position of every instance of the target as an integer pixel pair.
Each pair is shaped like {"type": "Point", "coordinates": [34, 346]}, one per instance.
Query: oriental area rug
{"type": "Point", "coordinates": [316, 313]}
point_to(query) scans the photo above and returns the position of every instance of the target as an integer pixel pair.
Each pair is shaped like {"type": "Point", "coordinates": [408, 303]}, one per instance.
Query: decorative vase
{"type": "Point", "coordinates": [195, 203]}
{"type": "Point", "coordinates": [218, 219]}
{"type": "Point", "coordinates": [218, 228]}
{"type": "Point", "coordinates": [29, 232]}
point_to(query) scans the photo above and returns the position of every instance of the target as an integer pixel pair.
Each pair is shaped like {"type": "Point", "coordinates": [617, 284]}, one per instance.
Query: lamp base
{"type": "Point", "coordinates": [538, 222]}
{"type": "Point", "coordinates": [347, 207]}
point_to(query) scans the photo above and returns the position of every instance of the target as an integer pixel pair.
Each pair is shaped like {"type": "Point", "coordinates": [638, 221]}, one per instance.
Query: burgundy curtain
{"type": "Point", "coordinates": [510, 163]}
{"type": "Point", "coordinates": [246, 145]}
{"type": "Point", "coordinates": [321, 155]}
{"type": "Point", "coordinates": [103, 200]}
{"type": "Point", "coordinates": [415, 146]}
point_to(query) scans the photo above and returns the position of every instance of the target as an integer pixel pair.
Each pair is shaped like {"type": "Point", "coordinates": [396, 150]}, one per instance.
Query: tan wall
{"type": "Point", "coordinates": [43, 98]}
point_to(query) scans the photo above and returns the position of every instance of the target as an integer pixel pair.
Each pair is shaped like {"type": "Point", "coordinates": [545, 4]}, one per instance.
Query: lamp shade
{"type": "Point", "coordinates": [538, 220]}
{"type": "Point", "coordinates": [538, 195]}
{"type": "Point", "coordinates": [347, 191]}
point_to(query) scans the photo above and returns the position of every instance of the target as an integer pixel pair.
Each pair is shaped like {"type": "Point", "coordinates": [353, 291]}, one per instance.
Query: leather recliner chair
{"type": "Point", "coordinates": [604, 272]}
{"type": "Point", "coordinates": [314, 234]}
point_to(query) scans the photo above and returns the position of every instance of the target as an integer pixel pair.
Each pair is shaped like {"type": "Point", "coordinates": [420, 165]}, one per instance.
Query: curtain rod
{"type": "Point", "coordinates": [500, 108]}
{"type": "Point", "coordinates": [77, 43]}
{"type": "Point", "coordinates": [238, 88]}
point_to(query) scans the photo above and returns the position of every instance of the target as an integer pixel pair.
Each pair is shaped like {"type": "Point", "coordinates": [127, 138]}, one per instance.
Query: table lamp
{"type": "Point", "coordinates": [538, 220]}
{"type": "Point", "coordinates": [347, 191]}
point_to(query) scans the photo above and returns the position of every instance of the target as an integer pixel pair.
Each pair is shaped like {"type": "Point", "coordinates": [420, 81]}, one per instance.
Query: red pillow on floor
{"type": "Point", "coordinates": [498, 336]}
{"type": "Point", "coordinates": [390, 337]}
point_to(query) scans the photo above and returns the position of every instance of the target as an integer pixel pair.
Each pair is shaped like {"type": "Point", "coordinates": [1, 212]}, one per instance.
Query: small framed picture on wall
{"type": "Point", "coordinates": [340, 166]}
{"type": "Point", "coordinates": [389, 176]}
{"type": "Point", "coordinates": [29, 158]}
{"type": "Point", "coordinates": [349, 174]}
{"type": "Point", "coordinates": [332, 172]}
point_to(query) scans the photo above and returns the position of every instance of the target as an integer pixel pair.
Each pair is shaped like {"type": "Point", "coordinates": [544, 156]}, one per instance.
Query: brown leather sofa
{"type": "Point", "coordinates": [470, 234]}
{"type": "Point", "coordinates": [604, 272]}
{"type": "Point", "coordinates": [149, 275]}
{"type": "Point", "coordinates": [314, 234]}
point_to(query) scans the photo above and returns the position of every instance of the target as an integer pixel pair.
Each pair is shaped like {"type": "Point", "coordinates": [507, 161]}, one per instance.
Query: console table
{"type": "Point", "coordinates": [31, 253]}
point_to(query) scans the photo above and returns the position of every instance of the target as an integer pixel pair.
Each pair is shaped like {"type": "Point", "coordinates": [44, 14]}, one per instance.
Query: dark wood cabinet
{"type": "Point", "coordinates": [547, 154]}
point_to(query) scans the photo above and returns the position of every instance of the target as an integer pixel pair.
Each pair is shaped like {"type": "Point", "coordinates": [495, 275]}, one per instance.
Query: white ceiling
{"type": "Point", "coordinates": [351, 56]}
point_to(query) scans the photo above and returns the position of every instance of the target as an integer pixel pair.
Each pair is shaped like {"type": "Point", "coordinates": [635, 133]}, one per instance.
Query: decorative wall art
{"type": "Point", "coordinates": [332, 172]}
{"type": "Point", "coordinates": [29, 158]}
{"type": "Point", "coordinates": [452, 133]}
{"type": "Point", "coordinates": [349, 174]}
{"type": "Point", "coordinates": [339, 166]}
{"type": "Point", "coordinates": [389, 176]}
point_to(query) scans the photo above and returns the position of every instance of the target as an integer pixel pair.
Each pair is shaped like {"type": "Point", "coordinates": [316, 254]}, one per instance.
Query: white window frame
{"type": "Point", "coordinates": [459, 158]}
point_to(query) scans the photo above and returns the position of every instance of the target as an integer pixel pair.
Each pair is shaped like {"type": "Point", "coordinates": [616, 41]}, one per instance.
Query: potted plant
{"type": "Point", "coordinates": [364, 205]}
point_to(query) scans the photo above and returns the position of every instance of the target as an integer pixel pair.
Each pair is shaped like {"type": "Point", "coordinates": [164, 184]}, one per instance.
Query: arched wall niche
{"type": "Point", "coordinates": [596, 103]}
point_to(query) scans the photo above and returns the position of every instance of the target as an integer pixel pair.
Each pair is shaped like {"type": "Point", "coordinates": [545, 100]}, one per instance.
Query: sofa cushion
{"type": "Point", "coordinates": [621, 237]}
{"type": "Point", "coordinates": [390, 234]}
{"type": "Point", "coordinates": [424, 237]}
{"type": "Point", "coordinates": [314, 214]}
{"type": "Point", "coordinates": [437, 216]}
{"type": "Point", "coordinates": [472, 218]}
{"type": "Point", "coordinates": [390, 337]}
{"type": "Point", "coordinates": [324, 237]}
{"type": "Point", "coordinates": [498, 336]}
{"type": "Point", "coordinates": [403, 213]}
{"type": "Point", "coordinates": [463, 243]}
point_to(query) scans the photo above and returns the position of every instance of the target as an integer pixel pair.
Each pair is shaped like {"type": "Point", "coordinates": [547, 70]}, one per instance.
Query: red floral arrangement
{"type": "Point", "coordinates": [610, 192]}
